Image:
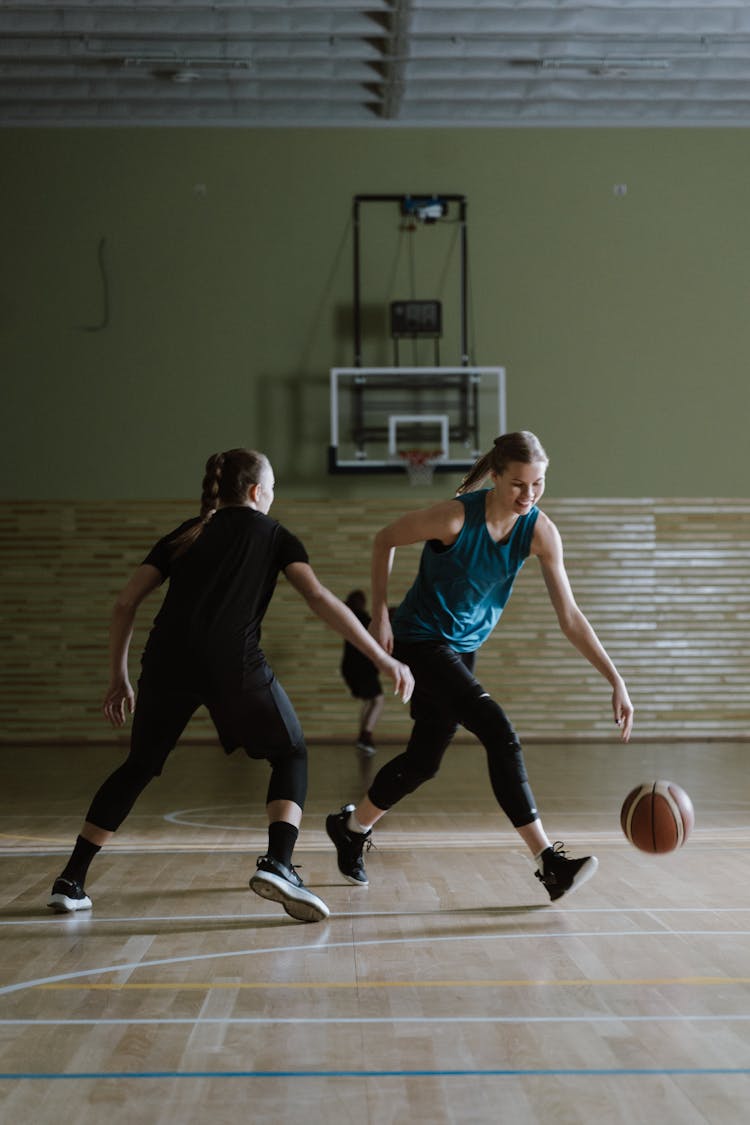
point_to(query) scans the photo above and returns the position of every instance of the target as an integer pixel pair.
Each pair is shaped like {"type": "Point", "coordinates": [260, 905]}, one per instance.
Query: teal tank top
{"type": "Point", "coordinates": [460, 591]}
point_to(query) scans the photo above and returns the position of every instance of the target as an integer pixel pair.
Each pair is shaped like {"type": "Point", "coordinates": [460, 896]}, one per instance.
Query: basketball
{"type": "Point", "coordinates": [657, 817]}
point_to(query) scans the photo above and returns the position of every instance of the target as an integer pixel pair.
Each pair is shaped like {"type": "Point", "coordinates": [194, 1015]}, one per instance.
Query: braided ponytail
{"type": "Point", "coordinates": [521, 446]}
{"type": "Point", "coordinates": [211, 484]}
{"type": "Point", "coordinates": [227, 478]}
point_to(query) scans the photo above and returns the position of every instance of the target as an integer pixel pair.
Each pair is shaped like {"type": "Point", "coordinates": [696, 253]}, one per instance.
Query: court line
{"type": "Point", "coordinates": [357, 985]}
{"type": "Point", "coordinates": [172, 847]}
{"type": "Point", "coordinates": [182, 817]}
{"type": "Point", "coordinates": [128, 919]}
{"type": "Point", "coordinates": [708, 843]}
{"type": "Point", "coordinates": [535, 1072]}
{"type": "Point", "coordinates": [262, 1021]}
{"type": "Point", "coordinates": [353, 945]}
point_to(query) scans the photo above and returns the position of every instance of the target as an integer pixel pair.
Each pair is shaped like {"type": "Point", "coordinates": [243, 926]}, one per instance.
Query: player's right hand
{"type": "Point", "coordinates": [120, 696]}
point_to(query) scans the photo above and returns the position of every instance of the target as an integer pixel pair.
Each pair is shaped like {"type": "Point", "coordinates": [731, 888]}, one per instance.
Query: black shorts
{"type": "Point", "coordinates": [363, 684]}
{"type": "Point", "coordinates": [262, 721]}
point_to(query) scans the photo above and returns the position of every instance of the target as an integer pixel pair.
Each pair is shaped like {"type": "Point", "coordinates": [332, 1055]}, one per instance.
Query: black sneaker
{"type": "Point", "coordinates": [68, 896]}
{"type": "Point", "coordinates": [276, 881]}
{"type": "Point", "coordinates": [349, 846]}
{"type": "Point", "coordinates": [561, 875]}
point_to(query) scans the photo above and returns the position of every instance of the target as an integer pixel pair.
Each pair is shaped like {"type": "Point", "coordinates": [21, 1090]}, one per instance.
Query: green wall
{"type": "Point", "coordinates": [622, 320]}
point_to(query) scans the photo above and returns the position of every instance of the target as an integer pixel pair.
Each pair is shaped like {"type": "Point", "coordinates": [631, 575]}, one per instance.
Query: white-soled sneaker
{"type": "Point", "coordinates": [275, 881]}
{"type": "Point", "coordinates": [68, 896]}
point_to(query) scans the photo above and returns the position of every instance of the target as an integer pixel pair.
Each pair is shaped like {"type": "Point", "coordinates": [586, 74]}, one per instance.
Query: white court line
{"type": "Point", "coordinates": [505, 911]}
{"type": "Point", "coordinates": [182, 817]}
{"type": "Point", "coordinates": [729, 841]}
{"type": "Point", "coordinates": [356, 946]}
{"type": "Point", "coordinates": [262, 1021]}
{"type": "Point", "coordinates": [86, 916]}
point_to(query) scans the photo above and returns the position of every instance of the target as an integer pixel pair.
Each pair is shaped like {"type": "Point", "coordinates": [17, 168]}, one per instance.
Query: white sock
{"type": "Point", "coordinates": [354, 826]}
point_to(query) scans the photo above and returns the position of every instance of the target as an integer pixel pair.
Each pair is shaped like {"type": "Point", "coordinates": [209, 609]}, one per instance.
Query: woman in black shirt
{"type": "Point", "coordinates": [204, 648]}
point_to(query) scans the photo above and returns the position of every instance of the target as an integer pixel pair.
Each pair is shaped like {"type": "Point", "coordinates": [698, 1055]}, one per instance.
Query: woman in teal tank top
{"type": "Point", "coordinates": [475, 544]}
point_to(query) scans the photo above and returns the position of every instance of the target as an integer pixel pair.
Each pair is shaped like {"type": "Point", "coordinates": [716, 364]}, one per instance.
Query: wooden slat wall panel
{"type": "Point", "coordinates": [665, 584]}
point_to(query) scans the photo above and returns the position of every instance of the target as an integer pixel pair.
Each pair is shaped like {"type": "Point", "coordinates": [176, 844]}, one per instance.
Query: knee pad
{"type": "Point", "coordinates": [396, 780]}
{"type": "Point", "coordinates": [116, 796]}
{"type": "Point", "coordinates": [411, 778]}
{"type": "Point", "coordinates": [486, 719]}
{"type": "Point", "coordinates": [288, 780]}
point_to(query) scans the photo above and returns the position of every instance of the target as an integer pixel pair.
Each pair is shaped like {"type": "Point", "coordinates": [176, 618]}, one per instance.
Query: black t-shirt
{"type": "Point", "coordinates": [219, 589]}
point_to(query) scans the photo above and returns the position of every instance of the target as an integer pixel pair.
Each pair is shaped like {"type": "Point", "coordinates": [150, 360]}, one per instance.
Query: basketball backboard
{"type": "Point", "coordinates": [377, 413]}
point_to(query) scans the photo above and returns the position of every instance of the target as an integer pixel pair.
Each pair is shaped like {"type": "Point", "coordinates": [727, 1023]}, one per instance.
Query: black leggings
{"type": "Point", "coordinates": [447, 694]}
{"type": "Point", "coordinates": [261, 721]}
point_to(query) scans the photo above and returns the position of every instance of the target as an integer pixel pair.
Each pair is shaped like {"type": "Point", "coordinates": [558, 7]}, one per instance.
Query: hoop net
{"type": "Point", "coordinates": [420, 464]}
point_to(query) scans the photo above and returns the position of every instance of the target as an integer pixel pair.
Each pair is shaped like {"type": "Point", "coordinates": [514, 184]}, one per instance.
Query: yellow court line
{"type": "Point", "coordinates": [140, 846]}
{"type": "Point", "coordinates": [147, 986]}
{"type": "Point", "coordinates": [396, 840]}
{"type": "Point", "coordinates": [34, 839]}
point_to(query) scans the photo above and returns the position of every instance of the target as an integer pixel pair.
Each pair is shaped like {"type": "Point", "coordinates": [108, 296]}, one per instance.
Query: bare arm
{"type": "Point", "coordinates": [340, 618]}
{"type": "Point", "coordinates": [443, 521]}
{"type": "Point", "coordinates": [120, 694]}
{"type": "Point", "coordinates": [547, 545]}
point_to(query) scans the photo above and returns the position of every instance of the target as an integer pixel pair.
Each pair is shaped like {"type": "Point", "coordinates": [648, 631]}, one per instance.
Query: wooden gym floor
{"type": "Point", "coordinates": [449, 991]}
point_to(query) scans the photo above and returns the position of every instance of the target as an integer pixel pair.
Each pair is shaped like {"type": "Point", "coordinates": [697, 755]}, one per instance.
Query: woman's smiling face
{"type": "Point", "coordinates": [520, 485]}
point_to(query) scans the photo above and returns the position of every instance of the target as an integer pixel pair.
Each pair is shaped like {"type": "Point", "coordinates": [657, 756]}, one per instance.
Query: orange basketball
{"type": "Point", "coordinates": [657, 816]}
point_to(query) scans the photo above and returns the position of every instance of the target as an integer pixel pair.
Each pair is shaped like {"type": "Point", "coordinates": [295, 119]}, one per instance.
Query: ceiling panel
{"type": "Point", "coordinates": [415, 62]}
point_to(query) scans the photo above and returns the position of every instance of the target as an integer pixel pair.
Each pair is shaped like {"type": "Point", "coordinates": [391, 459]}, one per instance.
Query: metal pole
{"type": "Point", "coordinates": [464, 284]}
{"type": "Point", "coordinates": [357, 312]}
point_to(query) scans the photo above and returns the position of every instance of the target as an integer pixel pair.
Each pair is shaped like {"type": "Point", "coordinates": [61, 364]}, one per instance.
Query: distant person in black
{"type": "Point", "coordinates": [204, 648]}
{"type": "Point", "coordinates": [361, 677]}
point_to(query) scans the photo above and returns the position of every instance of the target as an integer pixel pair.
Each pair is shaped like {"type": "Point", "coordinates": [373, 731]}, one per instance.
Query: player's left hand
{"type": "Point", "coordinates": [403, 680]}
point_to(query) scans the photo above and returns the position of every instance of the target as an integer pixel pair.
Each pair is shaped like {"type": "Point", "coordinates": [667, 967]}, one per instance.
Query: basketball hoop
{"type": "Point", "coordinates": [420, 464]}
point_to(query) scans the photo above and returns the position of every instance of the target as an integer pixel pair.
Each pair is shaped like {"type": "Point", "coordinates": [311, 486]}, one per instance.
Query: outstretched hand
{"type": "Point", "coordinates": [623, 711]}
{"type": "Point", "coordinates": [119, 697]}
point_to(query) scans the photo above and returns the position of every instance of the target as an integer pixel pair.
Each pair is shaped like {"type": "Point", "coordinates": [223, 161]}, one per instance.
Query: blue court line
{"type": "Point", "coordinates": [540, 1072]}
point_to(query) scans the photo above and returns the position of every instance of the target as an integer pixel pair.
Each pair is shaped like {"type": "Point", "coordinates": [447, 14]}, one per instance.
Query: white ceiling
{"type": "Point", "coordinates": [389, 62]}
